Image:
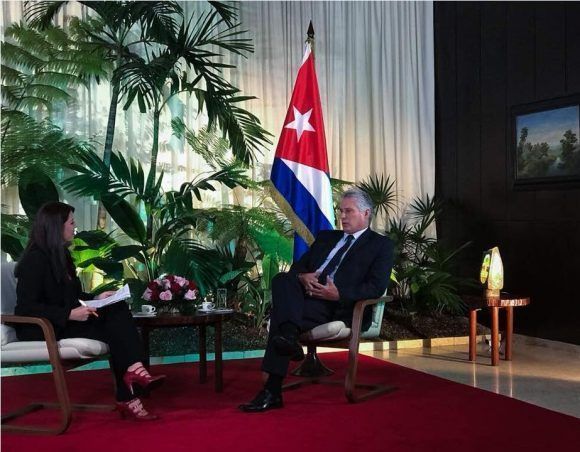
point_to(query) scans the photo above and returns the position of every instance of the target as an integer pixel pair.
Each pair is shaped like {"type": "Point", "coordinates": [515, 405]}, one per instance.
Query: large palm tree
{"type": "Point", "coordinates": [40, 71]}
{"type": "Point", "coordinates": [188, 62]}
{"type": "Point", "coordinates": [119, 31]}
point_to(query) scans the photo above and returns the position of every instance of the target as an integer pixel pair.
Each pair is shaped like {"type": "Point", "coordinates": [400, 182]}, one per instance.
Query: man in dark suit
{"type": "Point", "coordinates": [340, 268]}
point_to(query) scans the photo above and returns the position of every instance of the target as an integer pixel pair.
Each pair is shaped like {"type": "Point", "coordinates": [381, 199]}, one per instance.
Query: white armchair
{"type": "Point", "coordinates": [62, 355]}
{"type": "Point", "coordinates": [337, 335]}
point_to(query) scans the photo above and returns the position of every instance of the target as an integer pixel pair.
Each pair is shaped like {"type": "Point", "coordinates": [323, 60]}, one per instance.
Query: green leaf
{"type": "Point", "coordinates": [104, 287]}
{"type": "Point", "coordinates": [231, 275]}
{"type": "Point", "coordinates": [95, 239]}
{"type": "Point", "coordinates": [12, 246]}
{"type": "Point", "coordinates": [191, 260]}
{"type": "Point", "coordinates": [111, 268]}
{"type": "Point", "coordinates": [126, 217]}
{"type": "Point", "coordinates": [125, 252]}
{"type": "Point", "coordinates": [35, 189]}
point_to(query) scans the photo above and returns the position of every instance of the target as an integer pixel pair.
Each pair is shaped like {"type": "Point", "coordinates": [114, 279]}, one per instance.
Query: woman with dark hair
{"type": "Point", "coordinates": [48, 287]}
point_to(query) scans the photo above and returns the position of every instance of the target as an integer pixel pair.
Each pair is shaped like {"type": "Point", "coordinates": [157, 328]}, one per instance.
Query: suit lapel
{"type": "Point", "coordinates": [329, 245]}
{"type": "Point", "coordinates": [360, 242]}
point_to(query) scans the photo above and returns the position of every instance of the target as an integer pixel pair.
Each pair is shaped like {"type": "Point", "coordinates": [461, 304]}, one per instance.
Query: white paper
{"type": "Point", "coordinates": [122, 294]}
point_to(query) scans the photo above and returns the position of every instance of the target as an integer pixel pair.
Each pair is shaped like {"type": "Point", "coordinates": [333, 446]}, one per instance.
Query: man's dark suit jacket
{"type": "Point", "coordinates": [364, 272]}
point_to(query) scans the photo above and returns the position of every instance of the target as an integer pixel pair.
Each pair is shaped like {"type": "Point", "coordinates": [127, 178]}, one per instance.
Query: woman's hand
{"type": "Point", "coordinates": [81, 314]}
{"type": "Point", "coordinates": [106, 294]}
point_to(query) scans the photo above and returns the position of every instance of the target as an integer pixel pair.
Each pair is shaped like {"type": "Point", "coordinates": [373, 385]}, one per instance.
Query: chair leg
{"type": "Point", "coordinates": [350, 384]}
{"type": "Point", "coordinates": [312, 366]}
{"type": "Point", "coordinates": [63, 404]}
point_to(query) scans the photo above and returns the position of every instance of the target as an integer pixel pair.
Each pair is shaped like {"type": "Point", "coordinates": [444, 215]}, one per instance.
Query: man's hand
{"type": "Point", "coordinates": [308, 280]}
{"type": "Point", "coordinates": [81, 314]}
{"type": "Point", "coordinates": [326, 291]}
{"type": "Point", "coordinates": [106, 294]}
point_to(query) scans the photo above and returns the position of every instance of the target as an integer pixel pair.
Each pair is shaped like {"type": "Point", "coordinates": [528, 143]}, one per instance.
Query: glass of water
{"type": "Point", "coordinates": [221, 299]}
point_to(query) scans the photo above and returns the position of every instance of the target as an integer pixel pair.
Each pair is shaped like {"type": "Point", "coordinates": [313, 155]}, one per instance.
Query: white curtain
{"type": "Point", "coordinates": [375, 69]}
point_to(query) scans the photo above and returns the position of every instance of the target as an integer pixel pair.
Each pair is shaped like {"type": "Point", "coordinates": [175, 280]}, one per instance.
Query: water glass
{"type": "Point", "coordinates": [222, 299]}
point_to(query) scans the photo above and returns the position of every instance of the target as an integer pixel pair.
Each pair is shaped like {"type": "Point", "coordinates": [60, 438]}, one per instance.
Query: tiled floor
{"type": "Point", "coordinates": [545, 373]}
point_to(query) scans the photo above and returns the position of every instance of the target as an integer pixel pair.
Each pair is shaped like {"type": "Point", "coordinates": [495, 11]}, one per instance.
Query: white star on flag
{"type": "Point", "coordinates": [300, 123]}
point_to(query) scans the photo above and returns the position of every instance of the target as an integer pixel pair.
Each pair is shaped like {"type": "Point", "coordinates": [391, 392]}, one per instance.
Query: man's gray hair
{"type": "Point", "coordinates": [363, 200]}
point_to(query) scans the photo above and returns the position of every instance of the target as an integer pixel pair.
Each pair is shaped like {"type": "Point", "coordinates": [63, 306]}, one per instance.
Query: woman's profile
{"type": "Point", "coordinates": [49, 287]}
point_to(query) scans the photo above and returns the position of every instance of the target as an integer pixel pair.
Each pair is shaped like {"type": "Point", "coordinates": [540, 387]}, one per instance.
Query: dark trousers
{"type": "Point", "coordinates": [116, 328]}
{"type": "Point", "coordinates": [290, 304]}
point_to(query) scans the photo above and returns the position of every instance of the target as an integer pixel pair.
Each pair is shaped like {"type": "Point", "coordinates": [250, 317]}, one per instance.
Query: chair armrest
{"type": "Point", "coordinates": [44, 324]}
{"type": "Point", "coordinates": [359, 309]}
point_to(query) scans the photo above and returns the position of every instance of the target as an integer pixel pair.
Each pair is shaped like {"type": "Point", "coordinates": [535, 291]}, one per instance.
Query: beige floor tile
{"type": "Point", "coordinates": [544, 373]}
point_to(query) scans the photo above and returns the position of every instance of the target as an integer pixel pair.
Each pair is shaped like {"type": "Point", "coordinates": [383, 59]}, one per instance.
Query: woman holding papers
{"type": "Point", "coordinates": [48, 287]}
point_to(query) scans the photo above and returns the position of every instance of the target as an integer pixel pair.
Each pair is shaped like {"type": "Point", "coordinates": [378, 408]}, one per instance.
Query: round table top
{"type": "Point", "coordinates": [504, 300]}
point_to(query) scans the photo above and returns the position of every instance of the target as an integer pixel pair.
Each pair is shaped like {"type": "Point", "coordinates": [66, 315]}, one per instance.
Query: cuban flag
{"type": "Point", "coordinates": [300, 174]}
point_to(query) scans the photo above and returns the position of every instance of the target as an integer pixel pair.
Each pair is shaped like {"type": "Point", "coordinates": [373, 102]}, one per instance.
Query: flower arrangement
{"type": "Point", "coordinates": [170, 288]}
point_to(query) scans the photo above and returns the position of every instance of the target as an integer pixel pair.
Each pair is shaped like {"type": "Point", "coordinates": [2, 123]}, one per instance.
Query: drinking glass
{"type": "Point", "coordinates": [222, 299]}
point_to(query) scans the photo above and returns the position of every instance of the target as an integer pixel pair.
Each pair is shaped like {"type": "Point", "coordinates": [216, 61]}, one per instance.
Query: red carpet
{"type": "Point", "coordinates": [426, 413]}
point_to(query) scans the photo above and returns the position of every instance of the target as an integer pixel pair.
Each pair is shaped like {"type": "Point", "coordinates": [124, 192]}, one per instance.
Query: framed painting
{"type": "Point", "coordinates": [545, 147]}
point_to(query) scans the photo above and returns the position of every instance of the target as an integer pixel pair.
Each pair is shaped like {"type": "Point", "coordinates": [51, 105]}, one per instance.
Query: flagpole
{"type": "Point", "coordinates": [310, 37]}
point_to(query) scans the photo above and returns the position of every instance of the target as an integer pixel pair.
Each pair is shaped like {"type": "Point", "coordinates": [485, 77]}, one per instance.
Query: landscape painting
{"type": "Point", "coordinates": [546, 144]}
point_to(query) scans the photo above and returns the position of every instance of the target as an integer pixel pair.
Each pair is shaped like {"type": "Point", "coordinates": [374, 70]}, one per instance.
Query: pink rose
{"type": "Point", "coordinates": [165, 295]}
{"type": "Point", "coordinates": [190, 295]}
{"type": "Point", "coordinates": [181, 281]}
{"type": "Point", "coordinates": [147, 294]}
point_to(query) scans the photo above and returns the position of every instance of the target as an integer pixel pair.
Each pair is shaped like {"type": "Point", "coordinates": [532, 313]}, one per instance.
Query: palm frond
{"type": "Point", "coordinates": [231, 176]}
{"type": "Point", "coordinates": [190, 259]}
{"type": "Point", "coordinates": [27, 142]}
{"type": "Point", "coordinates": [40, 14]}
{"type": "Point", "coordinates": [381, 190]}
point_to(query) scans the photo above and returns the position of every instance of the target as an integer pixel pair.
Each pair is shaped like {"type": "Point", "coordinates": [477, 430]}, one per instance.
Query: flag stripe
{"type": "Point", "coordinates": [305, 205]}
{"type": "Point", "coordinates": [317, 183]}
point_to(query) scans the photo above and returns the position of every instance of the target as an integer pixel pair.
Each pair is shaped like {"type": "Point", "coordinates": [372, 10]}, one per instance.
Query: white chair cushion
{"type": "Point", "coordinates": [331, 331]}
{"type": "Point", "coordinates": [8, 299]}
{"type": "Point", "coordinates": [8, 334]}
{"type": "Point", "coordinates": [32, 351]}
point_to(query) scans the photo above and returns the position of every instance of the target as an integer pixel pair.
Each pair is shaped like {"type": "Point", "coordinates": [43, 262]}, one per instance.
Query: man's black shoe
{"type": "Point", "coordinates": [286, 347]}
{"type": "Point", "coordinates": [264, 401]}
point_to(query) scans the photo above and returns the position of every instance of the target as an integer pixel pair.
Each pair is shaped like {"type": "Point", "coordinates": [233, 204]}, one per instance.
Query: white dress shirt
{"type": "Point", "coordinates": [338, 246]}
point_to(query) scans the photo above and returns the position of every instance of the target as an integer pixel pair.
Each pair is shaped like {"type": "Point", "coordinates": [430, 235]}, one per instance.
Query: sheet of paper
{"type": "Point", "coordinates": [122, 294]}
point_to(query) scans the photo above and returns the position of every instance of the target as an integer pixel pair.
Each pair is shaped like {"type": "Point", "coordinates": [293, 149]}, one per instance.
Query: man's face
{"type": "Point", "coordinates": [353, 219]}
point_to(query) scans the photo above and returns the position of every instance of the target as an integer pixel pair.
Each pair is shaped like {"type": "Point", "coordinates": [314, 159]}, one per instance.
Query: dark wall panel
{"type": "Point", "coordinates": [468, 104]}
{"type": "Point", "coordinates": [550, 64]}
{"type": "Point", "coordinates": [491, 56]}
{"type": "Point", "coordinates": [493, 122]}
{"type": "Point", "coordinates": [446, 143]}
{"type": "Point", "coordinates": [572, 46]}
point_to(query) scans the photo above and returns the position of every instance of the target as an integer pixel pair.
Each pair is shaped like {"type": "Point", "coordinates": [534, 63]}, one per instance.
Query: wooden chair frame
{"type": "Point", "coordinates": [59, 366]}
{"type": "Point", "coordinates": [313, 370]}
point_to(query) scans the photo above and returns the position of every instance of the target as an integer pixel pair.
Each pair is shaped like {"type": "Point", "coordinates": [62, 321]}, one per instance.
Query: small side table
{"type": "Point", "coordinates": [200, 320]}
{"type": "Point", "coordinates": [505, 300]}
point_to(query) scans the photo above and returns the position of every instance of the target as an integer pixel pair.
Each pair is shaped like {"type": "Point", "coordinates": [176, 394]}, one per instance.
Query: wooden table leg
{"type": "Point", "coordinates": [145, 339]}
{"type": "Point", "coordinates": [494, 335]}
{"type": "Point", "coordinates": [202, 355]}
{"type": "Point", "coordinates": [472, 333]}
{"type": "Point", "coordinates": [218, 358]}
{"type": "Point", "coordinates": [509, 330]}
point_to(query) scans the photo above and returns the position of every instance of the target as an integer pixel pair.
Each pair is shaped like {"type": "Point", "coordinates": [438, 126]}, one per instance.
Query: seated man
{"type": "Point", "coordinates": [340, 268]}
